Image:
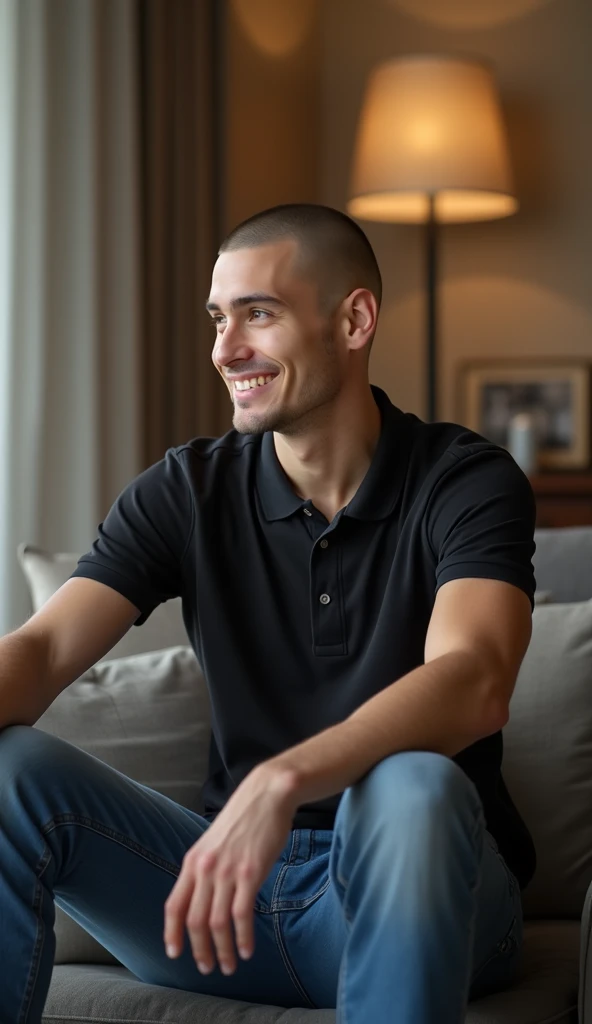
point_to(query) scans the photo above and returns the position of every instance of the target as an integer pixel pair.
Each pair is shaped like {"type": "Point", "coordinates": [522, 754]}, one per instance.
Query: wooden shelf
{"type": "Point", "coordinates": [563, 499]}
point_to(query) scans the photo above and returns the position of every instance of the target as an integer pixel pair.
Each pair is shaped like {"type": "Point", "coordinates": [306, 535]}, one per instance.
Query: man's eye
{"type": "Point", "coordinates": [215, 320]}
{"type": "Point", "coordinates": [261, 312]}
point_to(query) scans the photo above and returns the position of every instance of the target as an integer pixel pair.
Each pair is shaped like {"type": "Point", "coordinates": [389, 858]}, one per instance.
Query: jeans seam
{"type": "Point", "coordinates": [288, 963]}
{"type": "Point", "coordinates": [341, 1016]}
{"type": "Point", "coordinates": [512, 880]}
{"type": "Point", "coordinates": [302, 904]}
{"type": "Point", "coordinates": [479, 824]}
{"type": "Point", "coordinates": [342, 881]}
{"type": "Point", "coordinates": [281, 873]}
{"type": "Point", "coordinates": [295, 846]}
{"type": "Point", "coordinates": [277, 886]}
{"type": "Point", "coordinates": [109, 833]}
{"type": "Point", "coordinates": [502, 946]}
{"type": "Point", "coordinates": [38, 947]}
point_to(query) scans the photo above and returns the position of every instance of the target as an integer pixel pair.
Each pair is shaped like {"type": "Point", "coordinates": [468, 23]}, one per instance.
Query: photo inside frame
{"type": "Point", "coordinates": [550, 403]}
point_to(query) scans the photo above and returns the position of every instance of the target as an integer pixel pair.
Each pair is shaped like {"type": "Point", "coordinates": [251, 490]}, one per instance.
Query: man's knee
{"type": "Point", "coordinates": [24, 748]}
{"type": "Point", "coordinates": [15, 738]}
{"type": "Point", "coordinates": [407, 787]}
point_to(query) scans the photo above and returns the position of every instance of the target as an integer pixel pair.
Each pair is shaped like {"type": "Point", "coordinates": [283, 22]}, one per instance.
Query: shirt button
{"type": "Point", "coordinates": [324, 543]}
{"type": "Point", "coordinates": [307, 512]}
{"type": "Point", "coordinates": [324, 599]}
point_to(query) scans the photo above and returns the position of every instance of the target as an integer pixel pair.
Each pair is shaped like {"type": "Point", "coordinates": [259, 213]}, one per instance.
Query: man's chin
{"type": "Point", "coordinates": [247, 423]}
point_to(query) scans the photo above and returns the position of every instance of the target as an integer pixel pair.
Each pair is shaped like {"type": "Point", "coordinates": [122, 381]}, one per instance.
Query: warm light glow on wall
{"type": "Point", "coordinates": [276, 27]}
{"type": "Point", "coordinates": [468, 14]}
{"type": "Point", "coordinates": [431, 126]}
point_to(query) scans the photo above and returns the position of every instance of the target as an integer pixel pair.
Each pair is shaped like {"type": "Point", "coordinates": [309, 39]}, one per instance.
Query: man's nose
{"type": "Point", "coordinates": [230, 344]}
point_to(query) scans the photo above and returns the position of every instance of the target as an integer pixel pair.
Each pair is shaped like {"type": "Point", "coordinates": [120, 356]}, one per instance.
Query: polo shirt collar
{"type": "Point", "coordinates": [377, 495]}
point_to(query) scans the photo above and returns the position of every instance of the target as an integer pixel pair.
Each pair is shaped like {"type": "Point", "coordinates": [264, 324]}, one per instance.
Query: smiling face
{"type": "Point", "coordinates": [277, 351]}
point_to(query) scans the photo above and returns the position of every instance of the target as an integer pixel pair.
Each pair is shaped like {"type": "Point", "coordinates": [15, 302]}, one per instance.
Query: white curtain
{"type": "Point", "coordinates": [69, 402]}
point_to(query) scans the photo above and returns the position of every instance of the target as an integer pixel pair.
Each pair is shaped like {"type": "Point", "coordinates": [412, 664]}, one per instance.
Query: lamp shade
{"type": "Point", "coordinates": [431, 127]}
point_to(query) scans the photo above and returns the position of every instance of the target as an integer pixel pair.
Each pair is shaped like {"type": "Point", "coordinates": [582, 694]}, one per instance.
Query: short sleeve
{"type": "Point", "coordinates": [141, 544]}
{"type": "Point", "coordinates": [481, 518]}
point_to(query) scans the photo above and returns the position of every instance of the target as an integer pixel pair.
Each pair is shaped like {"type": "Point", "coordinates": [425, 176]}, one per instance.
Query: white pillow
{"type": "Point", "coordinates": [45, 573]}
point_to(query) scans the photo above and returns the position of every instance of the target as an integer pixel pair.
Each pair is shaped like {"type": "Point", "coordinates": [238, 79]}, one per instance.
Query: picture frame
{"type": "Point", "coordinates": [555, 392]}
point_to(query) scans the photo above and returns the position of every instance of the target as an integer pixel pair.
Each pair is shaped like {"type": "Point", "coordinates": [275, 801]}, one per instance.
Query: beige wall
{"type": "Point", "coordinates": [272, 109]}
{"type": "Point", "coordinates": [520, 286]}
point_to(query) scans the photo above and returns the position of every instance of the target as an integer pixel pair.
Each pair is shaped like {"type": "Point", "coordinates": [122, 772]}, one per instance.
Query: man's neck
{"type": "Point", "coordinates": [328, 463]}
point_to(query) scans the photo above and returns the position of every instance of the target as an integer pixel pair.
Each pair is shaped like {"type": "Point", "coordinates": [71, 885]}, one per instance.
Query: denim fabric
{"type": "Point", "coordinates": [403, 911]}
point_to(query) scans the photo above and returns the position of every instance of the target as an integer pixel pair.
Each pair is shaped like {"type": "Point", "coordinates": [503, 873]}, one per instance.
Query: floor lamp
{"type": "Point", "coordinates": [431, 149]}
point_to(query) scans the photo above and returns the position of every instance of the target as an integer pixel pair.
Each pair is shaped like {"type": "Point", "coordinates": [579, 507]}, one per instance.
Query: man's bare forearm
{"type": "Point", "coordinates": [24, 664]}
{"type": "Point", "coordinates": [442, 706]}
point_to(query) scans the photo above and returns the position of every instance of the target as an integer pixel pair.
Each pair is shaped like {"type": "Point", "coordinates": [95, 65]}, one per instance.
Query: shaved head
{"type": "Point", "coordinates": [294, 301]}
{"type": "Point", "coordinates": [332, 250]}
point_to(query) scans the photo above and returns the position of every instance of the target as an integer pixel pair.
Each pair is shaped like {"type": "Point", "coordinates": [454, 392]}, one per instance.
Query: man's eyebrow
{"type": "Point", "coordinates": [248, 300]}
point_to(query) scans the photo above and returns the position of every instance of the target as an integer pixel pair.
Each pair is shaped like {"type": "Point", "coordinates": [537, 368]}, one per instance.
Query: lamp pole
{"type": "Point", "coordinates": [432, 322]}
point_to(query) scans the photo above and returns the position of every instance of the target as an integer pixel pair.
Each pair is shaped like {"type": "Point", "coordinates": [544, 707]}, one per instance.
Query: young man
{"type": "Point", "coordinates": [358, 587]}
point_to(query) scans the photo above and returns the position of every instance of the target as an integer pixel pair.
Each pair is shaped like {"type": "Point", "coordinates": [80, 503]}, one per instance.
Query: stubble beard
{"type": "Point", "coordinates": [322, 387]}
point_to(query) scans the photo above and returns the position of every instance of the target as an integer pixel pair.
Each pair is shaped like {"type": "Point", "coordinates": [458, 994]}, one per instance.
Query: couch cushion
{"type": "Point", "coordinates": [545, 990]}
{"type": "Point", "coordinates": [563, 562]}
{"type": "Point", "coordinates": [45, 573]}
{"type": "Point", "coordinates": [85, 994]}
{"type": "Point", "coordinates": [548, 756]}
{"type": "Point", "coordinates": [147, 716]}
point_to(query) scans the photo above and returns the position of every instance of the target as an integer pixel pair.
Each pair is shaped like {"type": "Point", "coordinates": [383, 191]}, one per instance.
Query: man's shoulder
{"type": "Point", "coordinates": [439, 446]}
{"type": "Point", "coordinates": [451, 464]}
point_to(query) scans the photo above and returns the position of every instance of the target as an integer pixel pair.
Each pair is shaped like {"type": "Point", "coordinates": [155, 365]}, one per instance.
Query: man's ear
{"type": "Point", "coordinates": [359, 318]}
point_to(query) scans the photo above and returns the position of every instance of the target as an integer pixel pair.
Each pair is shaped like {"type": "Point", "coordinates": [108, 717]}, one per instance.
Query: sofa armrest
{"type": "Point", "coordinates": [585, 986]}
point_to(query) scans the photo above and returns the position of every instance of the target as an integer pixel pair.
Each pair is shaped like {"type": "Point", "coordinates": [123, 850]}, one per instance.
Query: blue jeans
{"type": "Point", "coordinates": [404, 911]}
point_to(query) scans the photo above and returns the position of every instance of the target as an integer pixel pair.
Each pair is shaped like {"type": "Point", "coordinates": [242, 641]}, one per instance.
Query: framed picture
{"type": "Point", "coordinates": [555, 393]}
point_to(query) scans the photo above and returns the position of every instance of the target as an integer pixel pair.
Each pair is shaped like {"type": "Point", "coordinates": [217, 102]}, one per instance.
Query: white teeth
{"type": "Point", "coordinates": [254, 382]}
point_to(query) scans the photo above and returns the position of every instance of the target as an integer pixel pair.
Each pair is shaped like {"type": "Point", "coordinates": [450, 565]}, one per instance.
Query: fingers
{"type": "Point", "coordinates": [209, 902]}
{"type": "Point", "coordinates": [219, 927]}
{"type": "Point", "coordinates": [175, 912]}
{"type": "Point", "coordinates": [242, 910]}
{"type": "Point", "coordinates": [197, 921]}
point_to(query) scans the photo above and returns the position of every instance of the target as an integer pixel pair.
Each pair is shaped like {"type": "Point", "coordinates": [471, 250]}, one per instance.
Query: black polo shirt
{"type": "Point", "coordinates": [296, 621]}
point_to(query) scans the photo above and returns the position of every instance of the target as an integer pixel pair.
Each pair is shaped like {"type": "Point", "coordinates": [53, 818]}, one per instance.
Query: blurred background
{"type": "Point", "coordinates": [134, 134]}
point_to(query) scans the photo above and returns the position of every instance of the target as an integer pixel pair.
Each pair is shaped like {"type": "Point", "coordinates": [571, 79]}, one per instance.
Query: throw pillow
{"type": "Point", "coordinates": [548, 757]}
{"type": "Point", "coordinates": [148, 716]}
{"type": "Point", "coordinates": [45, 573]}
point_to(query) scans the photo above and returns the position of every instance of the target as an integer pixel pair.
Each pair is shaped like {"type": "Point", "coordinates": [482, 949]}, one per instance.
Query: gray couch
{"type": "Point", "coordinates": [547, 766]}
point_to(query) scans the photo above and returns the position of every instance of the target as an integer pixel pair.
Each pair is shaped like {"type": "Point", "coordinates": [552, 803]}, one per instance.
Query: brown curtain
{"type": "Point", "coordinates": [180, 220]}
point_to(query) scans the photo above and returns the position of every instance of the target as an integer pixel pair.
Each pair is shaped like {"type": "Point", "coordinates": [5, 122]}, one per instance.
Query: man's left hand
{"type": "Point", "coordinates": [222, 872]}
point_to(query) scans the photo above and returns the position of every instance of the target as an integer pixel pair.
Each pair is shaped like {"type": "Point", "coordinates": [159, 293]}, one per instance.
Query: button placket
{"type": "Point", "coordinates": [325, 597]}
